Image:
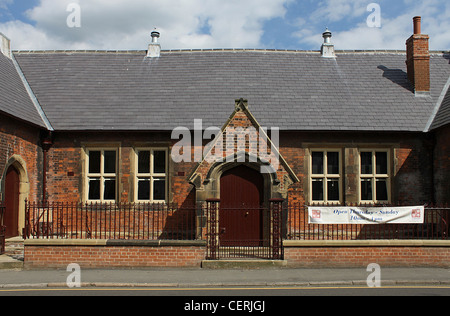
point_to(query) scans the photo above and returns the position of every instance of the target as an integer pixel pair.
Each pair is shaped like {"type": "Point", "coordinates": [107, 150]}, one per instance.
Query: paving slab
{"type": "Point", "coordinates": [198, 277]}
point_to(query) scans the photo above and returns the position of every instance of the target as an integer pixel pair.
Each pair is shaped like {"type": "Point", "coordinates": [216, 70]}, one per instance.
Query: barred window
{"type": "Point", "coordinates": [151, 175]}
{"type": "Point", "coordinates": [101, 174]}
{"type": "Point", "coordinates": [326, 177]}
{"type": "Point", "coordinates": [374, 176]}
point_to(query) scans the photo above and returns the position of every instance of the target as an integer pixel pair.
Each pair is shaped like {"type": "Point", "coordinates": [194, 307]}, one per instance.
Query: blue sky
{"type": "Point", "coordinates": [280, 24]}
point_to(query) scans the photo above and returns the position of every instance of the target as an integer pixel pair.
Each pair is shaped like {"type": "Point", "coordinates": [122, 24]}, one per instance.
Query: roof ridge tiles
{"type": "Point", "coordinates": [224, 50]}
{"type": "Point", "coordinates": [196, 50]}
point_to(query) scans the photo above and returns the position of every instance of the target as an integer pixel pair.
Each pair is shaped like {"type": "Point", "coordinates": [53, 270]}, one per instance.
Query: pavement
{"type": "Point", "coordinates": [198, 277]}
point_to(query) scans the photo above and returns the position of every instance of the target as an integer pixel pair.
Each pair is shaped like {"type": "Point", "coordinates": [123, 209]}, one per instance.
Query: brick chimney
{"type": "Point", "coordinates": [418, 60]}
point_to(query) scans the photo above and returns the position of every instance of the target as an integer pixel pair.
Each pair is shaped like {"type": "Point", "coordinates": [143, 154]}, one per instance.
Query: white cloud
{"type": "Point", "coordinates": [394, 31]}
{"type": "Point", "coordinates": [20, 34]}
{"type": "Point", "coordinates": [126, 24]}
{"type": "Point", "coordinates": [4, 3]}
{"type": "Point", "coordinates": [336, 10]}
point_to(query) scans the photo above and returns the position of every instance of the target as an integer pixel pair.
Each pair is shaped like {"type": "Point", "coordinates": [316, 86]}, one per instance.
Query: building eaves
{"type": "Point", "coordinates": [33, 98]}
{"type": "Point", "coordinates": [441, 112]}
{"type": "Point", "coordinates": [14, 99]}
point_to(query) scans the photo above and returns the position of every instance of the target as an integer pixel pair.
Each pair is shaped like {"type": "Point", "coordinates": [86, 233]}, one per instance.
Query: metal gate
{"type": "Point", "coordinates": [234, 237]}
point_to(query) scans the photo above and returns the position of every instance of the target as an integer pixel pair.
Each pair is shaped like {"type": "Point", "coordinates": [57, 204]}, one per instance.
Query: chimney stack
{"type": "Point", "coordinates": [418, 60]}
{"type": "Point", "coordinates": [5, 46]}
{"type": "Point", "coordinates": [154, 49]}
{"type": "Point", "coordinates": [327, 49]}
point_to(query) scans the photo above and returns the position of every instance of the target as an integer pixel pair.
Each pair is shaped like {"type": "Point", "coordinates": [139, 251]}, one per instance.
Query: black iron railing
{"type": "Point", "coordinates": [133, 221]}
{"type": "Point", "coordinates": [222, 227]}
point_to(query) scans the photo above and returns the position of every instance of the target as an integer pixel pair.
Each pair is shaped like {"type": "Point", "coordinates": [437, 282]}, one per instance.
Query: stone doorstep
{"type": "Point", "coordinates": [6, 262]}
{"type": "Point", "coordinates": [14, 248]}
{"type": "Point", "coordinates": [13, 256]}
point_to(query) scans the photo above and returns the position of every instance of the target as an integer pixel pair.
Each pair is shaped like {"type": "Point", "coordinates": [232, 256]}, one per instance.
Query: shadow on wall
{"type": "Point", "coordinates": [413, 181]}
{"type": "Point", "coordinates": [181, 223]}
{"type": "Point", "coordinates": [442, 165]}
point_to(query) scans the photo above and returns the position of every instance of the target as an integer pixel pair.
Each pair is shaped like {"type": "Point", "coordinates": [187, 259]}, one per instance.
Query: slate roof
{"type": "Point", "coordinates": [443, 112]}
{"type": "Point", "coordinates": [292, 90]}
{"type": "Point", "coordinates": [14, 98]}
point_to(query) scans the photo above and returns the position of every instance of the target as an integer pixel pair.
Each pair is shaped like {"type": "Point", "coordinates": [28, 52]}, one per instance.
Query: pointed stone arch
{"type": "Point", "coordinates": [206, 176]}
{"type": "Point", "coordinates": [210, 186]}
{"type": "Point", "coordinates": [19, 164]}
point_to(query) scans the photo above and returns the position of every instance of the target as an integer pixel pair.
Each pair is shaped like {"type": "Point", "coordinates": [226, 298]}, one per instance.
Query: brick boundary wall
{"type": "Point", "coordinates": [112, 254]}
{"type": "Point", "coordinates": [297, 254]}
{"type": "Point", "coordinates": [330, 254]}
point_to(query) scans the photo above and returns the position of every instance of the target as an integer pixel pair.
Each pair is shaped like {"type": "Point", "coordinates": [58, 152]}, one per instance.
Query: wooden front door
{"type": "Point", "coordinates": [11, 216]}
{"type": "Point", "coordinates": [240, 216]}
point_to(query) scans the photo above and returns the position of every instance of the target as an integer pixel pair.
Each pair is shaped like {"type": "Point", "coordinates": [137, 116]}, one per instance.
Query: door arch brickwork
{"type": "Point", "coordinates": [206, 176]}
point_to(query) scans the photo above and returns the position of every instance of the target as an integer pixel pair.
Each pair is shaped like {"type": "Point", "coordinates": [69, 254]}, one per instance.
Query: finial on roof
{"type": "Point", "coordinates": [327, 48]}
{"type": "Point", "coordinates": [155, 35]}
{"type": "Point", "coordinates": [241, 104]}
{"type": "Point", "coordinates": [154, 49]}
{"type": "Point", "coordinates": [327, 36]}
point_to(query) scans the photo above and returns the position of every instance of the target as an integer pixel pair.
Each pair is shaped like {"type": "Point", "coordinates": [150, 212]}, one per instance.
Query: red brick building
{"type": "Point", "coordinates": [330, 126]}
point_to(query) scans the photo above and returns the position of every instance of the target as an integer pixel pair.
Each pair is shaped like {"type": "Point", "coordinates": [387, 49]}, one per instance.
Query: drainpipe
{"type": "Point", "coordinates": [47, 143]}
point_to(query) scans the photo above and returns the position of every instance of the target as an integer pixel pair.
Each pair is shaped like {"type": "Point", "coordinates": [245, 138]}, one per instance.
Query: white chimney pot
{"type": "Point", "coordinates": [327, 49]}
{"type": "Point", "coordinates": [154, 49]}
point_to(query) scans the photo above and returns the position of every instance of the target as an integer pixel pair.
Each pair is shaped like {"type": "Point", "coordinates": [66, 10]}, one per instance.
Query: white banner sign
{"type": "Point", "coordinates": [365, 215]}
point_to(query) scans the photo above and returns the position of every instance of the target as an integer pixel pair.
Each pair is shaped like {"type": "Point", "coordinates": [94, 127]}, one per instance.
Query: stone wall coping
{"type": "Point", "coordinates": [202, 243]}
{"type": "Point", "coordinates": [366, 243]}
{"type": "Point", "coordinates": [114, 243]}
